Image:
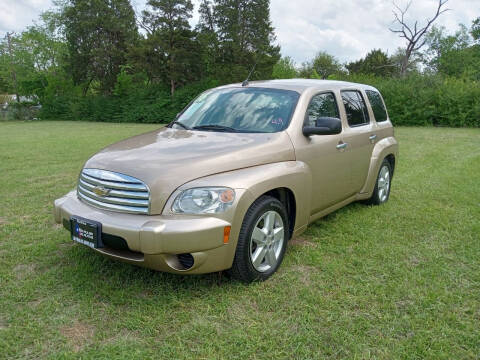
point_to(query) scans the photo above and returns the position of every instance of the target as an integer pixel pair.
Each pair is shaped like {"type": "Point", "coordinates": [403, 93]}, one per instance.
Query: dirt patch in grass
{"type": "Point", "coordinates": [33, 304]}
{"type": "Point", "coordinates": [403, 304]}
{"type": "Point", "coordinates": [301, 241]}
{"type": "Point", "coordinates": [22, 271]}
{"type": "Point", "coordinates": [3, 221]}
{"type": "Point", "coordinates": [242, 310]}
{"type": "Point", "coordinates": [63, 249]}
{"type": "Point", "coordinates": [415, 261]}
{"type": "Point", "coordinates": [3, 324]}
{"type": "Point", "coordinates": [304, 273]}
{"type": "Point", "coordinates": [123, 336]}
{"type": "Point", "coordinates": [78, 335]}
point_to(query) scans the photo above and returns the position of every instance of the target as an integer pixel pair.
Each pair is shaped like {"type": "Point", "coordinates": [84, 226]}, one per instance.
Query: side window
{"type": "Point", "coordinates": [322, 105]}
{"type": "Point", "coordinates": [355, 108]}
{"type": "Point", "coordinates": [377, 105]}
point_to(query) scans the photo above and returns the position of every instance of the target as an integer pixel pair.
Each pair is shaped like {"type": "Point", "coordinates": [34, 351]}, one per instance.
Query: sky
{"type": "Point", "coordinates": [347, 29]}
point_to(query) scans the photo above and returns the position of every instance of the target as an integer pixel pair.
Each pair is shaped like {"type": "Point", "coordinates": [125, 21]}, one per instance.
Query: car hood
{"type": "Point", "coordinates": [167, 158]}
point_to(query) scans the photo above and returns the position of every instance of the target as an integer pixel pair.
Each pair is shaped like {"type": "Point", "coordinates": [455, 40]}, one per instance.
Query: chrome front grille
{"type": "Point", "coordinates": [113, 191]}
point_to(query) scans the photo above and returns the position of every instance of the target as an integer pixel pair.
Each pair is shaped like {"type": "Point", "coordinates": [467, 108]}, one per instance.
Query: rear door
{"type": "Point", "coordinates": [359, 136]}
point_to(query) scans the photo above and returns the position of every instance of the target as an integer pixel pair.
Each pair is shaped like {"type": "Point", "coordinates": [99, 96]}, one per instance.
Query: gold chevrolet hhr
{"type": "Point", "coordinates": [243, 169]}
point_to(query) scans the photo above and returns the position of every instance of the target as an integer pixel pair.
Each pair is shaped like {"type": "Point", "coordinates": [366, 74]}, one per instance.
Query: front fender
{"type": "Point", "coordinates": [250, 183]}
{"type": "Point", "coordinates": [383, 148]}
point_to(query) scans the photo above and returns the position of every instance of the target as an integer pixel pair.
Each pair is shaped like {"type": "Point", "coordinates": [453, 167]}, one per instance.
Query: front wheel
{"type": "Point", "coordinates": [262, 241]}
{"type": "Point", "coordinates": [381, 192]}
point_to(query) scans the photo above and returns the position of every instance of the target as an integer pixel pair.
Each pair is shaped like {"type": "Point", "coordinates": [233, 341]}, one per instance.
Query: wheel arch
{"type": "Point", "coordinates": [287, 198]}
{"type": "Point", "coordinates": [391, 159]}
{"type": "Point", "coordinates": [386, 148]}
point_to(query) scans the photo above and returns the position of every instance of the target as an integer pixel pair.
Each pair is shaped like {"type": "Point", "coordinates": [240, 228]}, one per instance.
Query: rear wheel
{"type": "Point", "coordinates": [381, 192]}
{"type": "Point", "coordinates": [262, 241]}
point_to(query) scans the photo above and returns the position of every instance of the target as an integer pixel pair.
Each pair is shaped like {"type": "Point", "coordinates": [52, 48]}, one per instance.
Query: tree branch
{"type": "Point", "coordinates": [414, 36]}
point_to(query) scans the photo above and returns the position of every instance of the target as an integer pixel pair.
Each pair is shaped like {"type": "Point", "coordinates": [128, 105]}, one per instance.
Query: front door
{"type": "Point", "coordinates": [326, 156]}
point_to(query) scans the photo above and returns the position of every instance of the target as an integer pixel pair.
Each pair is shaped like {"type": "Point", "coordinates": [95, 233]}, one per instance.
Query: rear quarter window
{"type": "Point", "coordinates": [378, 107]}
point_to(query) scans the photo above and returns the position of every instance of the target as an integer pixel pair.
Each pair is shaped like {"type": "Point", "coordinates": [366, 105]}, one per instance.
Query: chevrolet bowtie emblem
{"type": "Point", "coordinates": [101, 191]}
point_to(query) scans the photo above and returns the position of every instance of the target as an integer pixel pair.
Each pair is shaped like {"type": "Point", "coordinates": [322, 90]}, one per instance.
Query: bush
{"type": "Point", "coordinates": [130, 103]}
{"type": "Point", "coordinates": [417, 100]}
{"type": "Point", "coordinates": [420, 100]}
{"type": "Point", "coordinates": [23, 110]}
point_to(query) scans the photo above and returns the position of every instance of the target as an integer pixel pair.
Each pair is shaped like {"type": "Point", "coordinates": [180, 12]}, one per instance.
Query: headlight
{"type": "Point", "coordinates": [205, 200]}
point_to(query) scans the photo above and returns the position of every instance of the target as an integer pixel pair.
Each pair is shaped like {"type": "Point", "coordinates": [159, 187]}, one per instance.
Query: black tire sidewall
{"type": "Point", "coordinates": [258, 208]}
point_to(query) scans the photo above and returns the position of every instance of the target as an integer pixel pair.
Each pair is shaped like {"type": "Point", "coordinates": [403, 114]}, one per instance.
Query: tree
{"type": "Point", "coordinates": [207, 37]}
{"type": "Point", "coordinates": [98, 35]}
{"type": "Point", "coordinates": [398, 57]}
{"type": "Point", "coordinates": [376, 62]}
{"type": "Point", "coordinates": [284, 69]}
{"type": "Point", "coordinates": [475, 31]}
{"type": "Point", "coordinates": [170, 36]}
{"type": "Point", "coordinates": [246, 37]}
{"type": "Point", "coordinates": [452, 55]}
{"type": "Point", "coordinates": [29, 59]}
{"type": "Point", "coordinates": [321, 67]}
{"type": "Point", "coordinates": [8, 65]}
{"type": "Point", "coordinates": [414, 36]}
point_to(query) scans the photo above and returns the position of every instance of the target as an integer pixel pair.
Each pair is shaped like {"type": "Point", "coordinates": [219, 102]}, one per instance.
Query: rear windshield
{"type": "Point", "coordinates": [241, 110]}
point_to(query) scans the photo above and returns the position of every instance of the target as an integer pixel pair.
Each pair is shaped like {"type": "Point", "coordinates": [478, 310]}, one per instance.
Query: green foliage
{"type": "Point", "coordinates": [131, 103]}
{"type": "Point", "coordinates": [169, 31]}
{"type": "Point", "coordinates": [284, 69]}
{"type": "Point", "coordinates": [245, 37]}
{"type": "Point", "coordinates": [25, 110]}
{"type": "Point", "coordinates": [322, 66]}
{"type": "Point", "coordinates": [376, 62]}
{"type": "Point", "coordinates": [98, 34]}
{"type": "Point", "coordinates": [207, 38]}
{"type": "Point", "coordinates": [452, 54]}
{"type": "Point", "coordinates": [421, 100]}
{"type": "Point", "coordinates": [87, 60]}
{"type": "Point", "coordinates": [475, 31]}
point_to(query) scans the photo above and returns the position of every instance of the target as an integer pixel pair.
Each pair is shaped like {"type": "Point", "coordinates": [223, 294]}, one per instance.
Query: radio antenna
{"type": "Point", "coordinates": [245, 82]}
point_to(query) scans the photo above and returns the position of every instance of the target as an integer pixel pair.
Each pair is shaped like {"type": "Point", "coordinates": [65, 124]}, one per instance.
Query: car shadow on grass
{"type": "Point", "coordinates": [92, 275]}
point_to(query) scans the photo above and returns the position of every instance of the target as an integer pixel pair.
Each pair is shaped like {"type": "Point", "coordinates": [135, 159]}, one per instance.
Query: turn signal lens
{"type": "Point", "coordinates": [226, 234]}
{"type": "Point", "coordinates": [227, 196]}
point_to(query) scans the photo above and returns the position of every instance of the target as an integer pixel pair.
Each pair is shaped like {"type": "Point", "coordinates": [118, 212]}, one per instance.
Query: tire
{"type": "Point", "coordinates": [261, 225]}
{"type": "Point", "coordinates": [381, 192]}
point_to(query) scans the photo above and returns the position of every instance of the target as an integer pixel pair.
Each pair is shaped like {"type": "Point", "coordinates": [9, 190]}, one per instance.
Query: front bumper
{"type": "Point", "coordinates": [155, 241]}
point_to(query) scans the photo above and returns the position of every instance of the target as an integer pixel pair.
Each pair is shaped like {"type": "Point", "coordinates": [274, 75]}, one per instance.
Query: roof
{"type": "Point", "coordinates": [301, 85]}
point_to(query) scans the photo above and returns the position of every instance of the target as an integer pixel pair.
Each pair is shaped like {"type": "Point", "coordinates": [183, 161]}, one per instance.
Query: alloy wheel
{"type": "Point", "coordinates": [266, 241]}
{"type": "Point", "coordinates": [383, 183]}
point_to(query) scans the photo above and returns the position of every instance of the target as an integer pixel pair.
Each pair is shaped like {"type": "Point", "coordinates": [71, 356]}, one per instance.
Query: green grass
{"type": "Point", "coordinates": [397, 281]}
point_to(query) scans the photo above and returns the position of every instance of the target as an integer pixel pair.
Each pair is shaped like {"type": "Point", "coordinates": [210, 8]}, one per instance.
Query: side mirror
{"type": "Point", "coordinates": [324, 126]}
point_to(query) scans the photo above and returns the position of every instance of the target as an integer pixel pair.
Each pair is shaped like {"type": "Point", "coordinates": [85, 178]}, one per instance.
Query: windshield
{"type": "Point", "coordinates": [240, 110]}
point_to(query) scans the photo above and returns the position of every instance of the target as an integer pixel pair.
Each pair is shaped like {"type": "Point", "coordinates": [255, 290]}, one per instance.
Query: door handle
{"type": "Point", "coordinates": [372, 138]}
{"type": "Point", "coordinates": [342, 146]}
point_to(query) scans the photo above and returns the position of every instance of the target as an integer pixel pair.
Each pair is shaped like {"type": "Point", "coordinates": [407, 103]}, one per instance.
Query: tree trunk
{"type": "Point", "coordinates": [172, 86]}
{"type": "Point", "coordinates": [12, 67]}
{"type": "Point", "coordinates": [403, 66]}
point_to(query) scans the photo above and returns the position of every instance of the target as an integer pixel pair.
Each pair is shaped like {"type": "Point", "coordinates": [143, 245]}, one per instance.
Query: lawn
{"type": "Point", "coordinates": [397, 281]}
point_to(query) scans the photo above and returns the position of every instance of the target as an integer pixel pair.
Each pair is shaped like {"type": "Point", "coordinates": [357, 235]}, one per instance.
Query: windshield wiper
{"type": "Point", "coordinates": [215, 127]}
{"type": "Point", "coordinates": [176, 122]}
